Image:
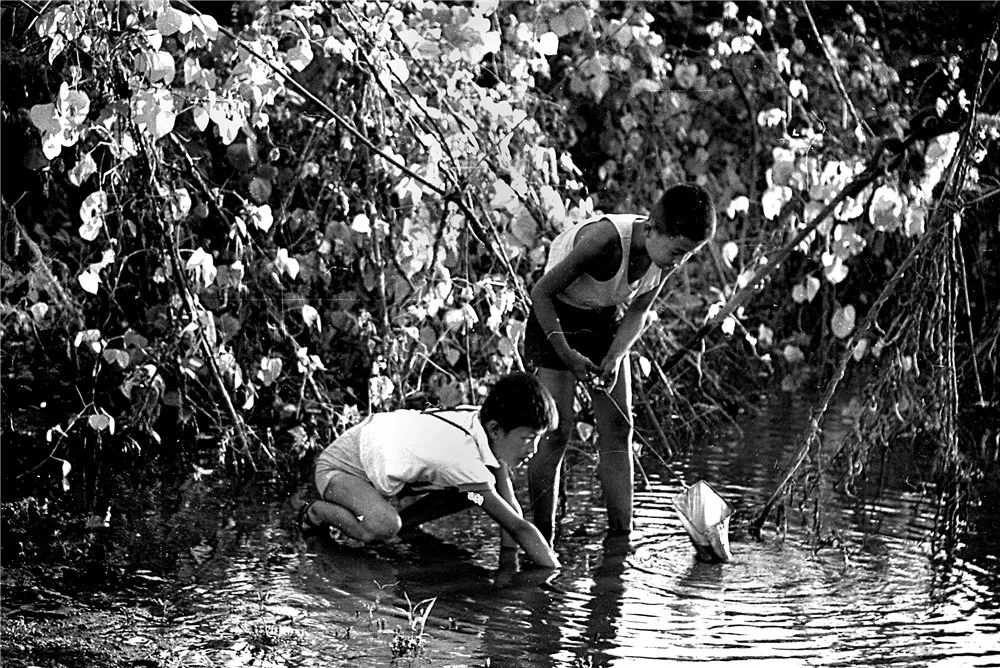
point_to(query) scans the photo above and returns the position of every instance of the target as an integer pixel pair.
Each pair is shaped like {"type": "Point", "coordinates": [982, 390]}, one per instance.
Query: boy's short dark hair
{"type": "Point", "coordinates": [520, 400]}
{"type": "Point", "coordinates": [685, 210]}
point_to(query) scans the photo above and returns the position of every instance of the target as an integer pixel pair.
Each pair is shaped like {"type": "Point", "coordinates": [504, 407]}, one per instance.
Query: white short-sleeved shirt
{"type": "Point", "coordinates": [407, 447]}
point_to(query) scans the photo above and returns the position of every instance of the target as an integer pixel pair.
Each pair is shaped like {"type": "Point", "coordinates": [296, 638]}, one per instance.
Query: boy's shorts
{"type": "Point", "coordinates": [587, 331]}
{"type": "Point", "coordinates": [341, 459]}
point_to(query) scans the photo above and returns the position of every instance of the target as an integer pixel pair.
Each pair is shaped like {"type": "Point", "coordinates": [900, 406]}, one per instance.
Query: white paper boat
{"type": "Point", "coordinates": [705, 516]}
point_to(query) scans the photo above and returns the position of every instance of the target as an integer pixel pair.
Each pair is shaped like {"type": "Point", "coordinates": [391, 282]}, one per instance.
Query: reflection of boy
{"type": "Point", "coordinates": [468, 452]}
{"type": "Point", "coordinates": [574, 334]}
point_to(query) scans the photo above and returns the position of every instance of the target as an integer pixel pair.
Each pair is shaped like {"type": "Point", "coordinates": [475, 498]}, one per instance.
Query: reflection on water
{"type": "Point", "coordinates": [882, 597]}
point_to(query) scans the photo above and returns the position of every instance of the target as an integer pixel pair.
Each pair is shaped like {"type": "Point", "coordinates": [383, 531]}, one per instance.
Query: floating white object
{"type": "Point", "coordinates": [705, 516]}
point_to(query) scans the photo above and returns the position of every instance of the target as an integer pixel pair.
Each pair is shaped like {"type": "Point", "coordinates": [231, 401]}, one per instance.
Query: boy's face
{"type": "Point", "coordinates": [516, 446]}
{"type": "Point", "coordinates": [668, 251]}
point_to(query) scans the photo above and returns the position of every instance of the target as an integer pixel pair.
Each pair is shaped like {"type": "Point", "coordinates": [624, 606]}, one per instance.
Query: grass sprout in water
{"type": "Point", "coordinates": [411, 643]}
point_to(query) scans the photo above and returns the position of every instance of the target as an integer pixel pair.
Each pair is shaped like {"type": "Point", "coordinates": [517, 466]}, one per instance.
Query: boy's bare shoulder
{"type": "Point", "coordinates": [598, 237]}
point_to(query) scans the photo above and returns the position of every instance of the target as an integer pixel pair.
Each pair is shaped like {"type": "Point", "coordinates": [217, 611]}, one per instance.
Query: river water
{"type": "Point", "coordinates": [253, 593]}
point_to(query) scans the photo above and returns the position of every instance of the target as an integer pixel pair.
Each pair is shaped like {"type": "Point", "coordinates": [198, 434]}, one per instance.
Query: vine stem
{"type": "Point", "coordinates": [860, 122]}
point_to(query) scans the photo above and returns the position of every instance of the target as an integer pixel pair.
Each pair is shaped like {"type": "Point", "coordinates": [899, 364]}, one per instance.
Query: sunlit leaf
{"type": "Point", "coordinates": [885, 208]}
{"type": "Point", "coordinates": [172, 21]}
{"type": "Point", "coordinates": [270, 370]}
{"type": "Point", "coordinates": [504, 197]}
{"type": "Point", "coordinates": [916, 220]}
{"type": "Point", "coordinates": [82, 170]}
{"type": "Point", "coordinates": [547, 44]}
{"type": "Point", "coordinates": [311, 317]}
{"type": "Point", "coordinates": [792, 354]}
{"type": "Point", "coordinates": [847, 242]}
{"type": "Point", "coordinates": [774, 199]}
{"type": "Point", "coordinates": [227, 117]}
{"type": "Point", "coordinates": [39, 310]}
{"type": "Point", "coordinates": [834, 268]}
{"type": "Point", "coordinates": [179, 203]}
{"type": "Point", "coordinates": [729, 252]}
{"type": "Point", "coordinates": [153, 110]}
{"type": "Point", "coordinates": [260, 189]}
{"type": "Point", "coordinates": [812, 287]}
{"type": "Point", "coordinates": [361, 224]}
{"type": "Point", "coordinates": [66, 466]}
{"type": "Point", "coordinates": [92, 212]}
{"type": "Point", "coordinates": [454, 318]}
{"type": "Point", "coordinates": [380, 389]}
{"type": "Point", "coordinates": [156, 65]}
{"type": "Point", "coordinates": [770, 118]}
{"type": "Point", "coordinates": [685, 74]}
{"type": "Point", "coordinates": [286, 264]}
{"type": "Point", "coordinates": [92, 337]}
{"type": "Point", "coordinates": [397, 66]}
{"type": "Point", "coordinates": [261, 216]}
{"type": "Point", "coordinates": [739, 204]}
{"type": "Point", "coordinates": [599, 85]}
{"type": "Point", "coordinates": [100, 422]}
{"type": "Point", "coordinates": [116, 356]}
{"type": "Point", "coordinates": [552, 203]}
{"type": "Point", "coordinates": [843, 321]}
{"type": "Point", "coordinates": [300, 55]}
{"type": "Point", "coordinates": [89, 281]}
{"type": "Point", "coordinates": [43, 117]}
{"type": "Point", "coordinates": [577, 18]}
{"type": "Point", "coordinates": [644, 86]}
{"type": "Point", "coordinates": [202, 265]}
{"type": "Point", "coordinates": [765, 336]}
{"type": "Point", "coordinates": [206, 29]}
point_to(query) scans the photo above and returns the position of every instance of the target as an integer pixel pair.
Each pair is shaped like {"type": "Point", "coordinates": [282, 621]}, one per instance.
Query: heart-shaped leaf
{"type": "Point", "coordinates": [843, 321]}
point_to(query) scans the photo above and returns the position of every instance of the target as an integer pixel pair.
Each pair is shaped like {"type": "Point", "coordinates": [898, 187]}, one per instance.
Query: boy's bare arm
{"type": "Point", "coordinates": [629, 331]}
{"type": "Point", "coordinates": [505, 488]}
{"type": "Point", "coordinates": [524, 532]}
{"type": "Point", "coordinates": [590, 248]}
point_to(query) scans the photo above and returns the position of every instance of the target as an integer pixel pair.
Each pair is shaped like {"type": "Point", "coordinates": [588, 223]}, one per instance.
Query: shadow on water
{"type": "Point", "coordinates": [255, 593]}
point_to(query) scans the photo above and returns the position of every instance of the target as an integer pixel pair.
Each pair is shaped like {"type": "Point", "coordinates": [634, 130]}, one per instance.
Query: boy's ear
{"type": "Point", "coordinates": [493, 429]}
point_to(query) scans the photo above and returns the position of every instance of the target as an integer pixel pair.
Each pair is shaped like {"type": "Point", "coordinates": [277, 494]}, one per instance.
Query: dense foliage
{"type": "Point", "coordinates": [253, 235]}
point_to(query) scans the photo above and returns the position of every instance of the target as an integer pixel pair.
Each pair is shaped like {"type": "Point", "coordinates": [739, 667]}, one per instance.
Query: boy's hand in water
{"type": "Point", "coordinates": [507, 567]}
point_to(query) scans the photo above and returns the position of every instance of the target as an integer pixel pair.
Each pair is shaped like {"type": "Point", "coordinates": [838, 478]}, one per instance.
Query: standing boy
{"type": "Point", "coordinates": [466, 452]}
{"type": "Point", "coordinates": [574, 333]}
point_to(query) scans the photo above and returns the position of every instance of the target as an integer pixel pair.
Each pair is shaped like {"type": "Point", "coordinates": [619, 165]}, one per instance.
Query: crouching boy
{"type": "Point", "coordinates": [466, 451]}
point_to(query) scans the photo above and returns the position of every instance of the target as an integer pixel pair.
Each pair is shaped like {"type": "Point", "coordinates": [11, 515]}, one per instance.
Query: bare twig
{"type": "Point", "coordinates": [860, 122]}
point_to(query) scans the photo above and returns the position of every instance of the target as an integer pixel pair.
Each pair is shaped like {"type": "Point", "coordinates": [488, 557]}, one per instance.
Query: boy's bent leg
{"type": "Point", "coordinates": [433, 505]}
{"type": "Point", "coordinates": [613, 417]}
{"type": "Point", "coordinates": [543, 468]}
{"type": "Point", "coordinates": [354, 506]}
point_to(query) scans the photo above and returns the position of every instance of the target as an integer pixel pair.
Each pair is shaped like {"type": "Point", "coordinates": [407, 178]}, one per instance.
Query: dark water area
{"type": "Point", "coordinates": [247, 590]}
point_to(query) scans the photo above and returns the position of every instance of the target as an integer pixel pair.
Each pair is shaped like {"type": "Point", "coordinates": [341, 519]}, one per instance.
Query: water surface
{"type": "Point", "coordinates": [881, 594]}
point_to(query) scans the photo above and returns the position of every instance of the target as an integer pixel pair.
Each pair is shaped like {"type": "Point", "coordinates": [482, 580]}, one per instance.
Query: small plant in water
{"type": "Point", "coordinates": [411, 643]}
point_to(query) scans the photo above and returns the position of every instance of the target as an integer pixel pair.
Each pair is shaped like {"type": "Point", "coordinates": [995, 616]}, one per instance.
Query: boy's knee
{"type": "Point", "coordinates": [381, 527]}
{"type": "Point", "coordinates": [616, 429]}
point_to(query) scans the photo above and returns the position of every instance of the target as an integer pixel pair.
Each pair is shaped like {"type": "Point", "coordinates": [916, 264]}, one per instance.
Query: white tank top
{"type": "Point", "coordinates": [587, 292]}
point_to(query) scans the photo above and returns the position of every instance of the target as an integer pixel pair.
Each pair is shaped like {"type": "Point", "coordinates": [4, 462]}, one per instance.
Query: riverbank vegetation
{"type": "Point", "coordinates": [232, 229]}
